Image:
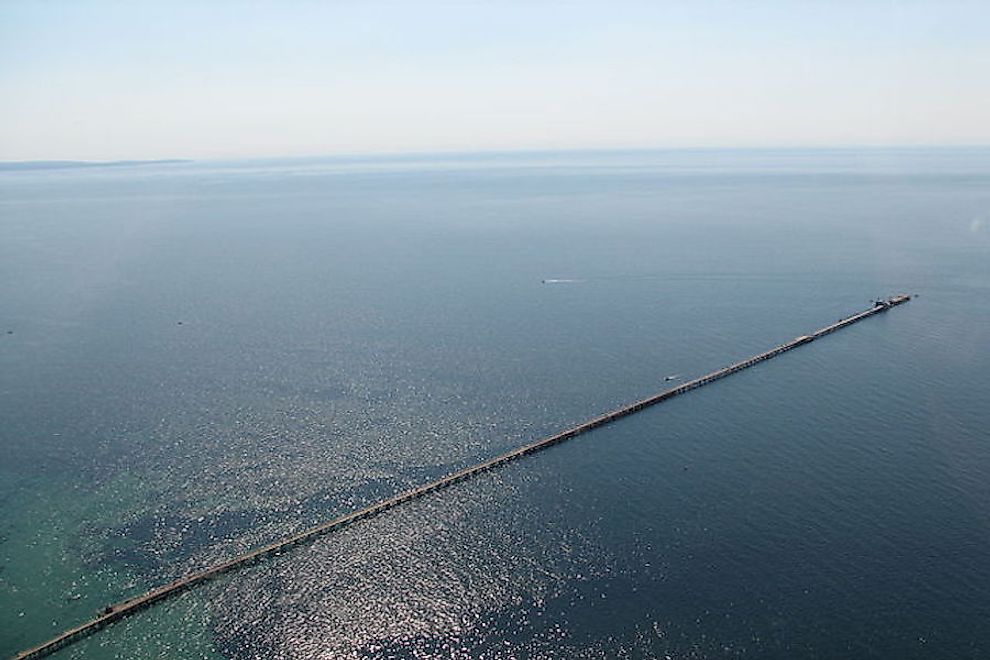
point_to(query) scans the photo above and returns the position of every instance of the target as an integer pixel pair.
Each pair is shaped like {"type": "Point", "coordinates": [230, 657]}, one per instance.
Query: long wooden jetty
{"type": "Point", "coordinates": [120, 610]}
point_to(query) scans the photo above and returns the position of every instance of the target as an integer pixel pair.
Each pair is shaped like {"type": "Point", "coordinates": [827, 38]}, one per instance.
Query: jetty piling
{"type": "Point", "coordinates": [120, 610]}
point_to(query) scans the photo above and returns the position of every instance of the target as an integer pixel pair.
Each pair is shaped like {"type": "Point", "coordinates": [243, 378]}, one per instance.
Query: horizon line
{"type": "Point", "coordinates": [56, 163]}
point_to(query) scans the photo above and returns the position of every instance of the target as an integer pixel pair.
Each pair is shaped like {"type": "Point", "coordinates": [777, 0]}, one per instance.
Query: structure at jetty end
{"type": "Point", "coordinates": [120, 610]}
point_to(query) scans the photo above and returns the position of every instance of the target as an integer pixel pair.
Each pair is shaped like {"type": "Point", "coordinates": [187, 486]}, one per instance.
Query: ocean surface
{"type": "Point", "coordinates": [199, 358]}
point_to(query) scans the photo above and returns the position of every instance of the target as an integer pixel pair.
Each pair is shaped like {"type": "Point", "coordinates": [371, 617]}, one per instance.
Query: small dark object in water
{"type": "Point", "coordinates": [179, 323]}
{"type": "Point", "coordinates": [10, 332]}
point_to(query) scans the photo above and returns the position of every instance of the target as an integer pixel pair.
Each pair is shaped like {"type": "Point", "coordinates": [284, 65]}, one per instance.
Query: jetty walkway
{"type": "Point", "coordinates": [120, 610]}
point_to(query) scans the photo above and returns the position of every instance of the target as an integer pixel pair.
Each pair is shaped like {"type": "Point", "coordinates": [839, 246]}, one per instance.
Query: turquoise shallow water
{"type": "Point", "coordinates": [208, 356]}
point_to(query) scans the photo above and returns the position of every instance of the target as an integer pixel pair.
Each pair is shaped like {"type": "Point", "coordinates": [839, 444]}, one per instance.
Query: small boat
{"type": "Point", "coordinates": [669, 378]}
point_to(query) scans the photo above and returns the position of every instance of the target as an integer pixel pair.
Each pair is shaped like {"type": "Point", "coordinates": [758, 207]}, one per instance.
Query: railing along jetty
{"type": "Point", "coordinates": [120, 610]}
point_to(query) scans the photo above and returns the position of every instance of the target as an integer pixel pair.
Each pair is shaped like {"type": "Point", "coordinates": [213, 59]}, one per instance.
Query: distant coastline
{"type": "Point", "coordinates": [29, 165]}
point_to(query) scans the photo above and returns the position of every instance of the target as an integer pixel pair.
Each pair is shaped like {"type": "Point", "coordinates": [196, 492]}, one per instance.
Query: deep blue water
{"type": "Point", "coordinates": [199, 358]}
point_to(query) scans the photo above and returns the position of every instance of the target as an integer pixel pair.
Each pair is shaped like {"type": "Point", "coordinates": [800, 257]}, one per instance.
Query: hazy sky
{"type": "Point", "coordinates": [109, 80]}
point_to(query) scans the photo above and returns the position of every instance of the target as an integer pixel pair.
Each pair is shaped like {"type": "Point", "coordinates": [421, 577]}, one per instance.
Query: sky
{"type": "Point", "coordinates": [99, 80]}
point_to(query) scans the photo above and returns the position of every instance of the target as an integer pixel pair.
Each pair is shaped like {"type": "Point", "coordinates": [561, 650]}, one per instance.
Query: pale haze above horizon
{"type": "Point", "coordinates": [113, 80]}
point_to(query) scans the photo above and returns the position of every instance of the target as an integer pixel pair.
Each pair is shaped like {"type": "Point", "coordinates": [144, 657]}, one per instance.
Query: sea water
{"type": "Point", "coordinates": [200, 358]}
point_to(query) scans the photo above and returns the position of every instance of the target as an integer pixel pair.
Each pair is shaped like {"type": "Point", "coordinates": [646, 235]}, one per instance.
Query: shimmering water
{"type": "Point", "coordinates": [204, 357]}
